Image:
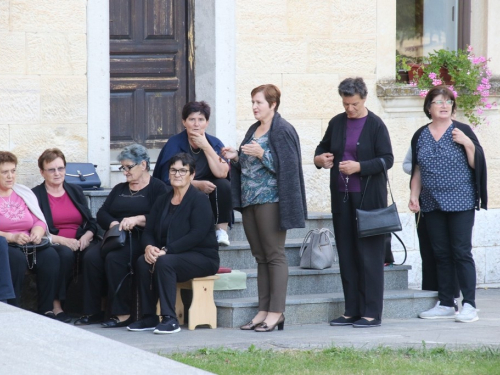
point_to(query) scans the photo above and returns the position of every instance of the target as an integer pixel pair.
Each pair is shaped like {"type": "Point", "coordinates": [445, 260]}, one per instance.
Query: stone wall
{"type": "Point", "coordinates": [43, 81]}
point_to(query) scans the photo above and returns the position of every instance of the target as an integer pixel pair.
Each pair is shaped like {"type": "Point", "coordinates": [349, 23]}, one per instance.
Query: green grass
{"type": "Point", "coordinates": [337, 360]}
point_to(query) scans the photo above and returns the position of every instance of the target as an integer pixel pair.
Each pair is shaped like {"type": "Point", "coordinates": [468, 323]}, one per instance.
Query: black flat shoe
{"type": "Point", "coordinates": [263, 327]}
{"type": "Point", "coordinates": [50, 314]}
{"type": "Point", "coordinates": [343, 321]}
{"type": "Point", "coordinates": [364, 323]}
{"type": "Point", "coordinates": [85, 320]}
{"type": "Point", "coordinates": [63, 317]}
{"type": "Point", "coordinates": [250, 326]}
{"type": "Point", "coordinates": [114, 322]}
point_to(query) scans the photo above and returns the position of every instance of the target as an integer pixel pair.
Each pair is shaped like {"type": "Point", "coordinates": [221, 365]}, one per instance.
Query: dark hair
{"type": "Point", "coordinates": [436, 91]}
{"type": "Point", "coordinates": [137, 153]}
{"type": "Point", "coordinates": [185, 159]}
{"type": "Point", "coordinates": [271, 92]}
{"type": "Point", "coordinates": [353, 86]}
{"type": "Point", "coordinates": [7, 157]}
{"type": "Point", "coordinates": [193, 107]}
{"type": "Point", "coordinates": [49, 155]}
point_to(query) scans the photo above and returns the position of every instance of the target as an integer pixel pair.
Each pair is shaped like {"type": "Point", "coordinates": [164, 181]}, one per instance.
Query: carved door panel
{"type": "Point", "coordinates": [151, 68]}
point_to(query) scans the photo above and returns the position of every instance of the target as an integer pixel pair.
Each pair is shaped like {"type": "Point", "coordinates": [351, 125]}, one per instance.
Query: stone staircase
{"type": "Point", "coordinates": [314, 296]}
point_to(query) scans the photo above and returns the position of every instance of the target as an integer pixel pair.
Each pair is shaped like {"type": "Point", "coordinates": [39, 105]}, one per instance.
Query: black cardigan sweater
{"type": "Point", "coordinates": [191, 227]}
{"type": "Point", "coordinates": [479, 163]}
{"type": "Point", "coordinates": [284, 145]}
{"type": "Point", "coordinates": [374, 143]}
{"type": "Point", "coordinates": [75, 193]}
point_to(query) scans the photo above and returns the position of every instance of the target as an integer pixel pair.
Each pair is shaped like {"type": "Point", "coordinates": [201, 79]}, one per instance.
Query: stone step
{"type": "Point", "coordinates": [304, 281]}
{"type": "Point", "coordinates": [238, 255]}
{"type": "Point", "coordinates": [321, 308]}
{"type": "Point", "coordinates": [314, 220]}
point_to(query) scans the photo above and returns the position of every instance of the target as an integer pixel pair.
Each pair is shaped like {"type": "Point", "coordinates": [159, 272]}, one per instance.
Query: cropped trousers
{"type": "Point", "coordinates": [267, 243]}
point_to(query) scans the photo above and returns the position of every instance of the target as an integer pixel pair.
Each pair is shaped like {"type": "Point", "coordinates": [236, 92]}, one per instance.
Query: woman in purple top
{"type": "Point", "coordinates": [352, 148]}
{"type": "Point", "coordinates": [22, 222]}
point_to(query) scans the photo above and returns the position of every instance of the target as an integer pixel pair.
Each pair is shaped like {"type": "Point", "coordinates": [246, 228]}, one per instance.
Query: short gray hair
{"type": "Point", "coordinates": [353, 86]}
{"type": "Point", "coordinates": [137, 153]}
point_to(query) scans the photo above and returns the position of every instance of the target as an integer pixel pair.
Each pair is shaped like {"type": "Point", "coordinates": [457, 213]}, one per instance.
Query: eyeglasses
{"type": "Point", "coordinates": [182, 172]}
{"type": "Point", "coordinates": [53, 170]}
{"type": "Point", "coordinates": [126, 168]}
{"type": "Point", "coordinates": [441, 102]}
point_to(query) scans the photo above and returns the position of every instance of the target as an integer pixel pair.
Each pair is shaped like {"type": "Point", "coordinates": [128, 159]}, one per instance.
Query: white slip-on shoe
{"type": "Point", "coordinates": [467, 315]}
{"type": "Point", "coordinates": [438, 312]}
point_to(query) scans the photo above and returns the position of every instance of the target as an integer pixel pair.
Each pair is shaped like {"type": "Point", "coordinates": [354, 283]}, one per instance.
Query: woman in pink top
{"type": "Point", "coordinates": [22, 222]}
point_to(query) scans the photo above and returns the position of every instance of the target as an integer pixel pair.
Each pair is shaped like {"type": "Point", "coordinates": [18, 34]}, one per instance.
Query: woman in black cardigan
{"type": "Point", "coordinates": [352, 148]}
{"type": "Point", "coordinates": [69, 219]}
{"type": "Point", "coordinates": [180, 244]}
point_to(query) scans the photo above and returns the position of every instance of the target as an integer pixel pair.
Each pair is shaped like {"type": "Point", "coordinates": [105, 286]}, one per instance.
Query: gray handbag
{"type": "Point", "coordinates": [318, 253]}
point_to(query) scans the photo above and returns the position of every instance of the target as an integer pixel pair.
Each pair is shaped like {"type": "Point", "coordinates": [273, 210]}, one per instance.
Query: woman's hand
{"type": "Point", "coordinates": [151, 254]}
{"type": "Point", "coordinates": [349, 167]}
{"type": "Point", "coordinates": [128, 223]}
{"type": "Point", "coordinates": [198, 140]}
{"type": "Point", "coordinates": [85, 240]}
{"type": "Point", "coordinates": [19, 238]}
{"type": "Point", "coordinates": [230, 153]}
{"type": "Point", "coordinates": [324, 160]}
{"type": "Point", "coordinates": [205, 186]}
{"type": "Point", "coordinates": [113, 223]}
{"type": "Point", "coordinates": [253, 149]}
{"type": "Point", "coordinates": [36, 234]}
{"type": "Point", "coordinates": [414, 204]}
{"type": "Point", "coordinates": [460, 137]}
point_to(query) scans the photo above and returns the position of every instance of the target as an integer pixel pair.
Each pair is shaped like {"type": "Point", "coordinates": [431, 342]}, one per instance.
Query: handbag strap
{"type": "Point", "coordinates": [131, 269]}
{"type": "Point", "coordinates": [404, 247]}
{"type": "Point", "coordinates": [303, 247]}
{"type": "Point", "coordinates": [386, 178]}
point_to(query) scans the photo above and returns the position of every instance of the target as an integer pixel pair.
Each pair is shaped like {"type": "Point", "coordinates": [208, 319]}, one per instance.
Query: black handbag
{"type": "Point", "coordinates": [29, 249]}
{"type": "Point", "coordinates": [83, 175]}
{"type": "Point", "coordinates": [114, 239]}
{"type": "Point", "coordinates": [380, 220]}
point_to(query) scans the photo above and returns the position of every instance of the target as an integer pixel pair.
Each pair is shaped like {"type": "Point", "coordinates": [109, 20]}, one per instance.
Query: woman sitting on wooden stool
{"type": "Point", "coordinates": [180, 244]}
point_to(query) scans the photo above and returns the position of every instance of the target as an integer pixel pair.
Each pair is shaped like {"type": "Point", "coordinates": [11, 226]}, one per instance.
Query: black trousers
{"type": "Point", "coordinates": [221, 201]}
{"type": "Point", "coordinates": [102, 276]}
{"type": "Point", "coordinates": [450, 234]}
{"type": "Point", "coordinates": [168, 271]}
{"type": "Point", "coordinates": [67, 261]}
{"type": "Point", "coordinates": [429, 265]}
{"type": "Point", "coordinates": [47, 276]}
{"type": "Point", "coordinates": [361, 262]}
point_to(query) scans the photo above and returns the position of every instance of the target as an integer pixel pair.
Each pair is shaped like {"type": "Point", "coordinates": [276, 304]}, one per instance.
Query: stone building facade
{"type": "Point", "coordinates": [54, 85]}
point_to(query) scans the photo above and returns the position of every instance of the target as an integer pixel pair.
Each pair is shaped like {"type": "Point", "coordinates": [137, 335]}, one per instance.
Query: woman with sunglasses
{"type": "Point", "coordinates": [128, 206]}
{"type": "Point", "coordinates": [69, 220]}
{"type": "Point", "coordinates": [211, 169]}
{"type": "Point", "coordinates": [448, 182]}
{"type": "Point", "coordinates": [180, 244]}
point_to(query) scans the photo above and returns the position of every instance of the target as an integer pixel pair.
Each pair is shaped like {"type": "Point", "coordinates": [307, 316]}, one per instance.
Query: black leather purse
{"type": "Point", "coordinates": [380, 220]}
{"type": "Point", "coordinates": [84, 175]}
{"type": "Point", "coordinates": [114, 239]}
{"type": "Point", "coordinates": [29, 249]}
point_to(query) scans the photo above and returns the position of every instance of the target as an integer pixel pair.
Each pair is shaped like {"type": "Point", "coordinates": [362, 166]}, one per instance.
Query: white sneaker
{"type": "Point", "coordinates": [222, 237]}
{"type": "Point", "coordinates": [438, 312]}
{"type": "Point", "coordinates": [467, 315]}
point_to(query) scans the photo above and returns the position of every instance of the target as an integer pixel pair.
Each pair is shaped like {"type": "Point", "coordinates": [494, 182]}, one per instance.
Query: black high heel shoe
{"type": "Point", "coordinates": [263, 327]}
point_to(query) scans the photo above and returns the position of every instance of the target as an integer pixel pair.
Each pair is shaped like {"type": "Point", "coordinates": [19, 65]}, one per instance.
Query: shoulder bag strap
{"type": "Point", "coordinates": [386, 178]}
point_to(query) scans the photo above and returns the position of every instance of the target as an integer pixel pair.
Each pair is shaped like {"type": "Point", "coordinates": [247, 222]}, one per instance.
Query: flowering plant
{"type": "Point", "coordinates": [469, 79]}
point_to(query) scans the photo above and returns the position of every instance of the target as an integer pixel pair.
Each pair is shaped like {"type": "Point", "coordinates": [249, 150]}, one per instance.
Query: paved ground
{"type": "Point", "coordinates": [392, 333]}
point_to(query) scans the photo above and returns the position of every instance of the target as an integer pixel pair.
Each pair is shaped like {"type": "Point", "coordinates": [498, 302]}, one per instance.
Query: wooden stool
{"type": "Point", "coordinates": [202, 309]}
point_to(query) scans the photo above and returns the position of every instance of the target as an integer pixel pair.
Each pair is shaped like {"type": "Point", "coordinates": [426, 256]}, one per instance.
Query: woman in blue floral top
{"type": "Point", "coordinates": [448, 181]}
{"type": "Point", "coordinates": [267, 186]}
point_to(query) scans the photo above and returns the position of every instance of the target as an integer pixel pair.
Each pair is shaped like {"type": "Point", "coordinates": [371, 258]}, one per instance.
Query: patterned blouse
{"type": "Point", "coordinates": [447, 179]}
{"type": "Point", "coordinates": [258, 177]}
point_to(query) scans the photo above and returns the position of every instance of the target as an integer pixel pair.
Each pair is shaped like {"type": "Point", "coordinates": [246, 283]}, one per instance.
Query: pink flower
{"type": "Point", "coordinates": [432, 75]}
{"type": "Point", "coordinates": [488, 105]}
{"type": "Point", "coordinates": [455, 93]}
{"type": "Point", "coordinates": [413, 84]}
{"type": "Point", "coordinates": [437, 82]}
{"type": "Point", "coordinates": [479, 111]}
{"type": "Point", "coordinates": [469, 49]}
{"type": "Point", "coordinates": [423, 93]}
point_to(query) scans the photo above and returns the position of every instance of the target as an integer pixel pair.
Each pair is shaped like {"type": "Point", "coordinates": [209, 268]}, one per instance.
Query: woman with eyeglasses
{"type": "Point", "coordinates": [180, 244]}
{"type": "Point", "coordinates": [448, 182]}
{"type": "Point", "coordinates": [212, 170]}
{"type": "Point", "coordinates": [128, 205]}
{"type": "Point", "coordinates": [68, 219]}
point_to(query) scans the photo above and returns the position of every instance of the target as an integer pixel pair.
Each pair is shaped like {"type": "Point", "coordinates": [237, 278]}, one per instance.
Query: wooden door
{"type": "Point", "coordinates": [151, 68]}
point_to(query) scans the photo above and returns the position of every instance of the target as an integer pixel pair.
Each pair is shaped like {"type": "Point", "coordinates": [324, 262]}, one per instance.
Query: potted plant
{"type": "Point", "coordinates": [467, 76]}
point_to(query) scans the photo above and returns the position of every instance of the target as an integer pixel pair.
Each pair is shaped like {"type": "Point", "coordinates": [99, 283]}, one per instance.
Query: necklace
{"type": "Point", "coordinates": [196, 153]}
{"type": "Point", "coordinates": [133, 192]}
